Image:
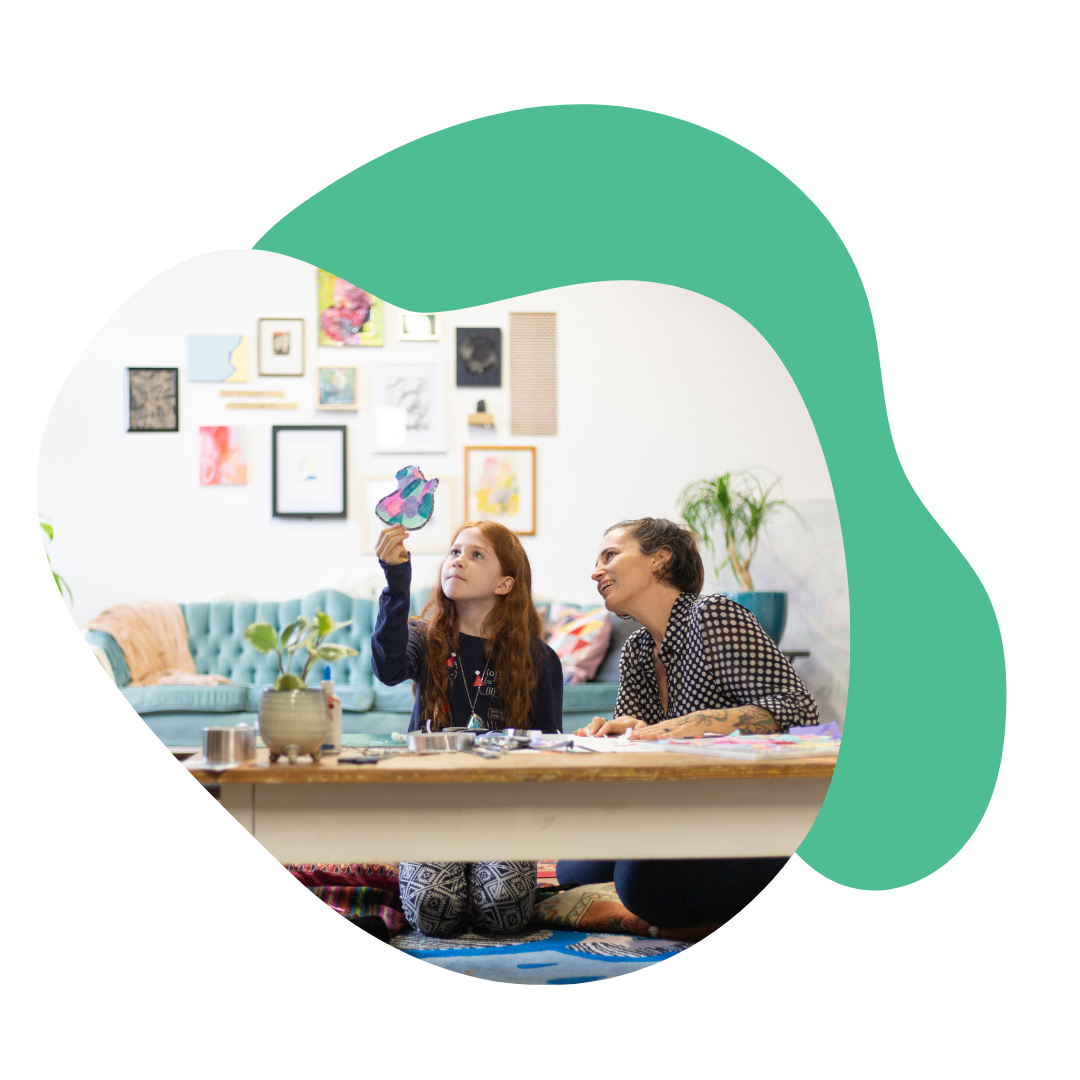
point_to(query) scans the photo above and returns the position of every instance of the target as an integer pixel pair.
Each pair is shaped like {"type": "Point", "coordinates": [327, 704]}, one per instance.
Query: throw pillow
{"type": "Point", "coordinates": [581, 642]}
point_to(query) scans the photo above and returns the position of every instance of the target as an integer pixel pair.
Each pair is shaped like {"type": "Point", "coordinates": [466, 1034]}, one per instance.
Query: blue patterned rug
{"type": "Point", "coordinates": [539, 955]}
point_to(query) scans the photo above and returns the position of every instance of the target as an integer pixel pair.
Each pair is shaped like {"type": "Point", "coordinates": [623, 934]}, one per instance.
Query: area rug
{"type": "Point", "coordinates": [540, 955]}
{"type": "Point", "coordinates": [361, 892]}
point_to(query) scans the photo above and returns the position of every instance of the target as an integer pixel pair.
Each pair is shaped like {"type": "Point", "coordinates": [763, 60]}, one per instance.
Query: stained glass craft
{"type": "Point", "coordinates": [413, 502]}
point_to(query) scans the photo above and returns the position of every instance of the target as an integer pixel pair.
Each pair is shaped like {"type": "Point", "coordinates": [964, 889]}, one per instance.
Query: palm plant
{"type": "Point", "coordinates": [61, 584]}
{"type": "Point", "coordinates": [730, 512]}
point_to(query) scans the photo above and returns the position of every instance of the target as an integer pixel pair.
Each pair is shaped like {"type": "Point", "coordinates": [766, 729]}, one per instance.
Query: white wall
{"type": "Point", "coordinates": [657, 387]}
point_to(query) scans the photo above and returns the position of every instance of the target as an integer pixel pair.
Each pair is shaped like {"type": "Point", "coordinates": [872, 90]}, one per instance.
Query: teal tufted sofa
{"type": "Point", "coordinates": [177, 714]}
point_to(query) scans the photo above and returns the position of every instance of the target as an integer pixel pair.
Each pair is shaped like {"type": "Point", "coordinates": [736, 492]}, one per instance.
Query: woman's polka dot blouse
{"type": "Point", "coordinates": [716, 656]}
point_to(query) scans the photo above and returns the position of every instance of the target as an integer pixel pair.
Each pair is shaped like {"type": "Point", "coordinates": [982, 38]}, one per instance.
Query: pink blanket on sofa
{"type": "Point", "coordinates": [153, 637]}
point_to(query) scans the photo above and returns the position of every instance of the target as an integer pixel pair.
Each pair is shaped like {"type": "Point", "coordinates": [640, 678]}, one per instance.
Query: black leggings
{"type": "Point", "coordinates": [677, 892]}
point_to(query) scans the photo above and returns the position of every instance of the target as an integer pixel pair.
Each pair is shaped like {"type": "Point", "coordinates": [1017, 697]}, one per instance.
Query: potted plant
{"type": "Point", "coordinates": [294, 719]}
{"type": "Point", "coordinates": [729, 513]}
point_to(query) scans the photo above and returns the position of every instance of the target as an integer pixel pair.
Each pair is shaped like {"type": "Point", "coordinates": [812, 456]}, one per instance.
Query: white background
{"type": "Point", "coordinates": [646, 372]}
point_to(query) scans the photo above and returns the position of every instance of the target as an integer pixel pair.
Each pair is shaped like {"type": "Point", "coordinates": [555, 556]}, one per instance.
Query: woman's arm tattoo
{"type": "Point", "coordinates": [750, 720]}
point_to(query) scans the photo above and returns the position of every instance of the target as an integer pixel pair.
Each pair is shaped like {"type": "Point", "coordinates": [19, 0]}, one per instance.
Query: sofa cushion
{"type": "Point", "coordinates": [356, 699]}
{"type": "Point", "coordinates": [621, 629]}
{"type": "Point", "coordinates": [173, 698]}
{"type": "Point", "coordinates": [582, 697]}
{"type": "Point", "coordinates": [394, 698]}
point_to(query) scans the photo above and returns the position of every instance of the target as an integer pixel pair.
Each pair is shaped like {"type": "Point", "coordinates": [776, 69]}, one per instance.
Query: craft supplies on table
{"type": "Point", "coordinates": [754, 747]}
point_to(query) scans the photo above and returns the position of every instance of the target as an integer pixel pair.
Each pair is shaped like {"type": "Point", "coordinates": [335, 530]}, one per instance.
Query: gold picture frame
{"type": "Point", "coordinates": [500, 485]}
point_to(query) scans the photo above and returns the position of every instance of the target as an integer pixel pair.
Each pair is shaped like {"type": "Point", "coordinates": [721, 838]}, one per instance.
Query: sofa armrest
{"type": "Point", "coordinates": [108, 644]}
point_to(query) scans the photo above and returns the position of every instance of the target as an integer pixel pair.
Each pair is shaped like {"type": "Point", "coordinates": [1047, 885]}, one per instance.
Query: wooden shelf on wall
{"type": "Point", "coordinates": [261, 405]}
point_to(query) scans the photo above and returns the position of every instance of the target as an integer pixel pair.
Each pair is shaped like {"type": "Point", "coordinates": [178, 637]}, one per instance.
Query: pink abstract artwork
{"type": "Point", "coordinates": [222, 455]}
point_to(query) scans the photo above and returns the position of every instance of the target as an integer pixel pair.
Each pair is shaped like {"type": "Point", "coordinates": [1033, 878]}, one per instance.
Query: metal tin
{"type": "Point", "coordinates": [440, 741]}
{"type": "Point", "coordinates": [226, 747]}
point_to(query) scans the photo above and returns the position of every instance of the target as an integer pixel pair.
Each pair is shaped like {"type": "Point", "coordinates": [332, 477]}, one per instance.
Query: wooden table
{"type": "Point", "coordinates": [525, 805]}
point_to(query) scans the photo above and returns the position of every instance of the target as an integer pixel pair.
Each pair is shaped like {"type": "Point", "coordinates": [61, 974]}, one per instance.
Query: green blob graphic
{"type": "Point", "coordinates": [542, 198]}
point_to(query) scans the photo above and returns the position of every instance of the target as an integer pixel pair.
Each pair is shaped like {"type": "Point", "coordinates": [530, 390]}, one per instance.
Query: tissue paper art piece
{"type": "Point", "coordinates": [217, 358]}
{"type": "Point", "coordinates": [413, 502]}
{"type": "Point", "coordinates": [347, 314]}
{"type": "Point", "coordinates": [222, 456]}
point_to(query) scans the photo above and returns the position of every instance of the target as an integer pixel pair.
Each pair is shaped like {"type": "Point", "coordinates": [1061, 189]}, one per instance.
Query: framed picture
{"type": "Point", "coordinates": [222, 456]}
{"type": "Point", "coordinates": [281, 346]}
{"type": "Point", "coordinates": [217, 358]}
{"type": "Point", "coordinates": [416, 326]}
{"type": "Point", "coordinates": [347, 314]}
{"type": "Point", "coordinates": [308, 471]}
{"type": "Point", "coordinates": [479, 356]}
{"type": "Point", "coordinates": [337, 388]}
{"type": "Point", "coordinates": [410, 407]}
{"type": "Point", "coordinates": [500, 485]}
{"type": "Point", "coordinates": [153, 400]}
{"type": "Point", "coordinates": [434, 537]}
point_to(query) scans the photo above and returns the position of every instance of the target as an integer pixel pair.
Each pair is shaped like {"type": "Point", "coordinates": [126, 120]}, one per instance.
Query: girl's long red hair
{"type": "Point", "coordinates": [511, 628]}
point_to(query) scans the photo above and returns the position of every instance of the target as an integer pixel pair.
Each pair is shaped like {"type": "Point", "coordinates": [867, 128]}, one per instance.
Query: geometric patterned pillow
{"type": "Point", "coordinates": [581, 640]}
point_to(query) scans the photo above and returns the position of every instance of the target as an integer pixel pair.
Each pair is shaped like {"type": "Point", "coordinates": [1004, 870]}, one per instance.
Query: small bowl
{"type": "Point", "coordinates": [227, 747]}
{"type": "Point", "coordinates": [440, 741]}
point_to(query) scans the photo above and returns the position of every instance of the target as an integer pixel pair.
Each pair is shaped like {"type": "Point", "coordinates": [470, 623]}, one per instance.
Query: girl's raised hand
{"type": "Point", "coordinates": [391, 546]}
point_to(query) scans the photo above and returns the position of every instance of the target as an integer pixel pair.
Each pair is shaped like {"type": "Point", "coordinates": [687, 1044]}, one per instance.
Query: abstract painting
{"type": "Point", "coordinates": [153, 402]}
{"type": "Point", "coordinates": [479, 356]}
{"type": "Point", "coordinates": [347, 314]}
{"type": "Point", "coordinates": [416, 326]}
{"type": "Point", "coordinates": [410, 408]}
{"type": "Point", "coordinates": [411, 504]}
{"type": "Point", "coordinates": [281, 346]}
{"type": "Point", "coordinates": [434, 538]}
{"type": "Point", "coordinates": [308, 471]}
{"type": "Point", "coordinates": [500, 485]}
{"type": "Point", "coordinates": [337, 388]}
{"type": "Point", "coordinates": [217, 358]}
{"type": "Point", "coordinates": [222, 455]}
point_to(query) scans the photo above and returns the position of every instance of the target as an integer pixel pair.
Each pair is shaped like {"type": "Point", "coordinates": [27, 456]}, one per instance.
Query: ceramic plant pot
{"type": "Point", "coordinates": [294, 722]}
{"type": "Point", "coordinates": [769, 608]}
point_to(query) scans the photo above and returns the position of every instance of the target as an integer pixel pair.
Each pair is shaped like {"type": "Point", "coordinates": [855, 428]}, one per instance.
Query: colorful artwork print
{"type": "Point", "coordinates": [497, 490]}
{"type": "Point", "coordinates": [153, 404]}
{"type": "Point", "coordinates": [337, 388]}
{"type": "Point", "coordinates": [347, 314]}
{"type": "Point", "coordinates": [222, 455]}
{"type": "Point", "coordinates": [501, 486]}
{"type": "Point", "coordinates": [217, 358]}
{"type": "Point", "coordinates": [412, 504]}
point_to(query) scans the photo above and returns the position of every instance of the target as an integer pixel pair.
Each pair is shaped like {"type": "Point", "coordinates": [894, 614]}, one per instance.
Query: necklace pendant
{"type": "Point", "coordinates": [475, 723]}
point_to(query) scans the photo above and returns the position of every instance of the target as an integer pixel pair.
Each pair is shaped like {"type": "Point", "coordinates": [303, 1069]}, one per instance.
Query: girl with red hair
{"type": "Point", "coordinates": [478, 661]}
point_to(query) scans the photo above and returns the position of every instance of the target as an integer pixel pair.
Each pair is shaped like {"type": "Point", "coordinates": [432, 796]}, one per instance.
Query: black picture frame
{"type": "Point", "coordinates": [479, 347]}
{"type": "Point", "coordinates": [277, 450]}
{"type": "Point", "coordinates": [152, 398]}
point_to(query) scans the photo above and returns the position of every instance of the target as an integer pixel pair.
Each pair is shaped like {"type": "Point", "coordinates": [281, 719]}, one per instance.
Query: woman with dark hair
{"type": "Point", "coordinates": [700, 664]}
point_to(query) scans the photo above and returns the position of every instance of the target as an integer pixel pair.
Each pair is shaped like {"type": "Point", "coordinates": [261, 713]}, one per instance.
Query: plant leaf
{"type": "Point", "coordinates": [262, 636]}
{"type": "Point", "coordinates": [331, 652]}
{"type": "Point", "coordinates": [47, 529]}
{"type": "Point", "coordinates": [289, 682]}
{"type": "Point", "coordinates": [328, 626]}
{"type": "Point", "coordinates": [293, 633]}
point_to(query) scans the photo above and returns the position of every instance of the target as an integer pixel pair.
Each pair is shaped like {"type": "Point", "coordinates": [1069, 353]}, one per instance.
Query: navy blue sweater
{"type": "Point", "coordinates": [399, 652]}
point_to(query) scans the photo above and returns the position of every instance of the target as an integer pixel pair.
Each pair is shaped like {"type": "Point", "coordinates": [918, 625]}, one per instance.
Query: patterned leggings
{"type": "Point", "coordinates": [437, 895]}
